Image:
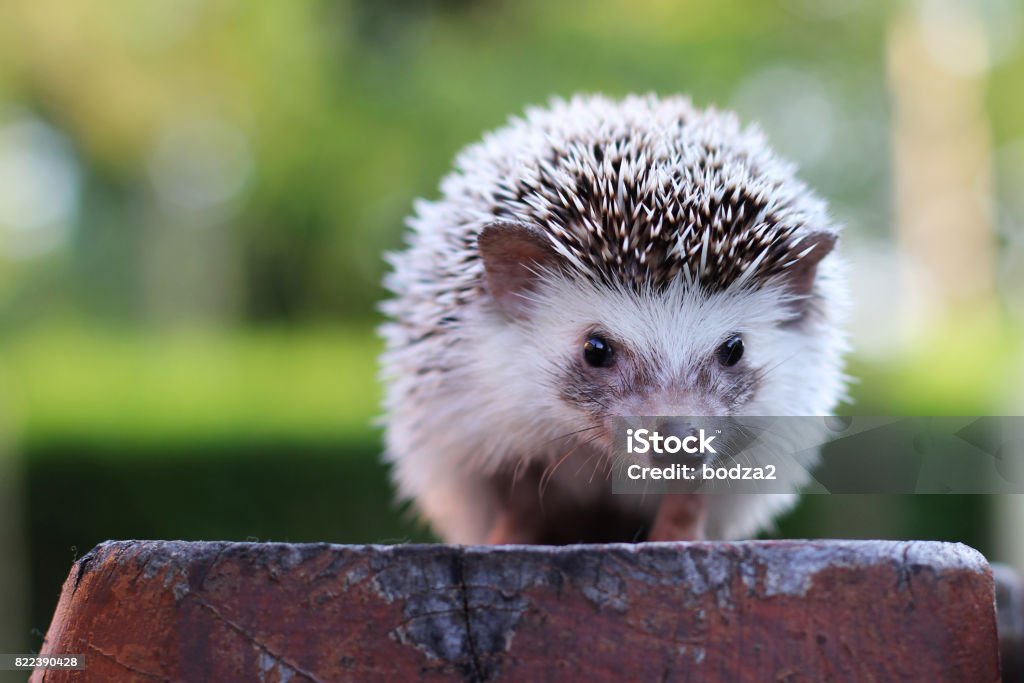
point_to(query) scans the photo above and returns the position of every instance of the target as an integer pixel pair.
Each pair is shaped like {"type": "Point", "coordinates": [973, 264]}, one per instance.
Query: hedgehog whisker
{"type": "Point", "coordinates": [549, 471]}
{"type": "Point", "coordinates": [586, 462]}
{"type": "Point", "coordinates": [764, 372]}
{"type": "Point", "coordinates": [573, 433]}
{"type": "Point", "coordinates": [605, 458]}
{"type": "Point", "coordinates": [515, 473]}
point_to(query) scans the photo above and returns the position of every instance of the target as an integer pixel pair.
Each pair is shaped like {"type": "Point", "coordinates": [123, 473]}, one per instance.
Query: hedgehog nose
{"type": "Point", "coordinates": [681, 429]}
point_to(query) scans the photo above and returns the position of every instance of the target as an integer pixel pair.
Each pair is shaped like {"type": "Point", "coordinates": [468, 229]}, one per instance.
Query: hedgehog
{"type": "Point", "coordinates": [592, 259]}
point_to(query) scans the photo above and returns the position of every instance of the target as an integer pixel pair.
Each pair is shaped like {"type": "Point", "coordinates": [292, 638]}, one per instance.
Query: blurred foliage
{"type": "Point", "coordinates": [965, 368]}
{"type": "Point", "coordinates": [118, 386]}
{"type": "Point", "coordinates": [348, 110]}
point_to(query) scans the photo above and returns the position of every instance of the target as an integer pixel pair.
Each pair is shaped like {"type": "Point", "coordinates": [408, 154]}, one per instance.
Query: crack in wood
{"type": "Point", "coordinates": [244, 632]}
{"type": "Point", "coordinates": [129, 667]}
{"type": "Point", "coordinates": [460, 577]}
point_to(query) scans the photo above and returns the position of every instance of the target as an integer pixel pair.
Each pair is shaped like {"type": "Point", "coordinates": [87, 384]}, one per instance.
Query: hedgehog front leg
{"type": "Point", "coordinates": [509, 529]}
{"type": "Point", "coordinates": [680, 517]}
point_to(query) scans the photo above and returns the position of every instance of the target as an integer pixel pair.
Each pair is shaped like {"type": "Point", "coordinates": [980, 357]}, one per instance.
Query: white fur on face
{"type": "Point", "coordinates": [672, 333]}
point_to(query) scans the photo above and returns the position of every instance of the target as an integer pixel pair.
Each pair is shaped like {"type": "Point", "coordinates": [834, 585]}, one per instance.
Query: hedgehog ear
{"type": "Point", "coordinates": [800, 276]}
{"type": "Point", "coordinates": [514, 256]}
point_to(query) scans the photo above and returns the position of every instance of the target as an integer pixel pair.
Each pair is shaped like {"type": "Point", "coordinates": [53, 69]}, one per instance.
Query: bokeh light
{"type": "Point", "coordinates": [39, 188]}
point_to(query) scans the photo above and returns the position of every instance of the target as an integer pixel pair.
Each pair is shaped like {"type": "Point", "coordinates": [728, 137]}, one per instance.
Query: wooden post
{"type": "Point", "coordinates": [771, 610]}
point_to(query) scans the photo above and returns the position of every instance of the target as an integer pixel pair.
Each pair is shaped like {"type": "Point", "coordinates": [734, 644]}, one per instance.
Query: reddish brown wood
{"type": "Point", "coordinates": [1010, 621]}
{"type": "Point", "coordinates": [764, 611]}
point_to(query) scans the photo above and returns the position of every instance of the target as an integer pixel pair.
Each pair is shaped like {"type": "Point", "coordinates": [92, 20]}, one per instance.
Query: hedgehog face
{"type": "Point", "coordinates": [680, 351]}
{"type": "Point", "coordinates": [603, 350]}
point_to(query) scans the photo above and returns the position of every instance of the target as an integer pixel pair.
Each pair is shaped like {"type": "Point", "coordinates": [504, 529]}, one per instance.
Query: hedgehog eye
{"type": "Point", "coordinates": [597, 352]}
{"type": "Point", "coordinates": [730, 352]}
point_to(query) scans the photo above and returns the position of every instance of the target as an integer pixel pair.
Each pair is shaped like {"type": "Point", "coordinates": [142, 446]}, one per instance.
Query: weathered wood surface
{"type": "Point", "coordinates": [1010, 621]}
{"type": "Point", "coordinates": [757, 611]}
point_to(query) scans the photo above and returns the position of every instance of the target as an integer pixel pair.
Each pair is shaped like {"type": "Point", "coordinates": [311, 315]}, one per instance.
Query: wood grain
{"type": "Point", "coordinates": [747, 611]}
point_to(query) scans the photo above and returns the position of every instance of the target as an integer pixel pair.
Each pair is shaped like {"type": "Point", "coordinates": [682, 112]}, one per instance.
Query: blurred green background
{"type": "Point", "coordinates": [195, 196]}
